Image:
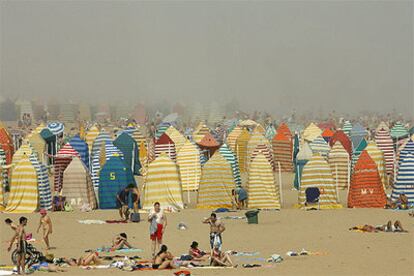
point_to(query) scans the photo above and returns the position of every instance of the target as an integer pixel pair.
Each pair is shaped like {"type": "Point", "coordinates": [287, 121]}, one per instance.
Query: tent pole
{"type": "Point", "coordinates": [298, 171]}
{"type": "Point", "coordinates": [336, 178]}
{"type": "Point", "coordinates": [280, 183]}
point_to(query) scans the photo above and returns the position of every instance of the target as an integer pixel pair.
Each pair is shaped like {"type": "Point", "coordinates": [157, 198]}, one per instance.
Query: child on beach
{"type": "Point", "coordinates": [46, 224]}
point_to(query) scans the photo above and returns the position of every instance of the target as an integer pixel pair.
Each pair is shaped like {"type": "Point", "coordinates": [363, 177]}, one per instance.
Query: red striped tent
{"type": "Point", "coordinates": [366, 189]}
{"type": "Point", "coordinates": [165, 144]}
{"type": "Point", "coordinates": [385, 144]}
{"type": "Point", "coordinates": [340, 136]}
{"type": "Point", "coordinates": [62, 160]}
{"type": "Point", "coordinates": [282, 152]}
{"type": "Point", "coordinates": [6, 144]}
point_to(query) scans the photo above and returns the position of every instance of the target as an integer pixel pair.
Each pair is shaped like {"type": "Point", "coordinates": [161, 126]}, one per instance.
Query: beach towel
{"type": "Point", "coordinates": [116, 221]}
{"type": "Point", "coordinates": [91, 221]}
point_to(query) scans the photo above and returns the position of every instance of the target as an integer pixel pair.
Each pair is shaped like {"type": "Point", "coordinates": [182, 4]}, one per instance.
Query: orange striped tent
{"type": "Point", "coordinates": [241, 149]}
{"type": "Point", "coordinates": [366, 189]}
{"type": "Point", "coordinates": [327, 134]}
{"type": "Point", "coordinates": [209, 143]}
{"type": "Point", "coordinates": [283, 128]}
{"type": "Point", "coordinates": [282, 152]}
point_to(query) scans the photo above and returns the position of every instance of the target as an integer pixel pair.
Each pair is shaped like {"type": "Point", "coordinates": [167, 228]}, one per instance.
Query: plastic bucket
{"type": "Point", "coordinates": [252, 217]}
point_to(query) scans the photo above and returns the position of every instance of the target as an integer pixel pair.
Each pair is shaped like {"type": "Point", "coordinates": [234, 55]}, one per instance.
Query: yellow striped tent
{"type": "Point", "coordinates": [311, 132]}
{"type": "Point", "coordinates": [266, 151]}
{"type": "Point", "coordinates": [338, 159]}
{"type": "Point", "coordinates": [241, 149]}
{"type": "Point", "coordinates": [188, 161]}
{"type": "Point", "coordinates": [77, 185]}
{"type": "Point", "coordinates": [162, 184]}
{"type": "Point", "coordinates": [24, 150]}
{"type": "Point", "coordinates": [24, 194]}
{"type": "Point", "coordinates": [260, 129]}
{"type": "Point", "coordinates": [378, 156]}
{"type": "Point", "coordinates": [143, 158]}
{"type": "Point", "coordinates": [216, 184]}
{"type": "Point", "coordinates": [39, 145]}
{"type": "Point", "coordinates": [262, 189]}
{"type": "Point", "coordinates": [200, 131]}
{"type": "Point", "coordinates": [256, 139]}
{"type": "Point", "coordinates": [91, 135]}
{"type": "Point", "coordinates": [232, 138]}
{"type": "Point", "coordinates": [317, 173]}
{"type": "Point", "coordinates": [176, 137]}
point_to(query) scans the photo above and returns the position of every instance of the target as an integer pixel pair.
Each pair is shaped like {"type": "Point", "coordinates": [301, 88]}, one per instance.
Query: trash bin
{"type": "Point", "coordinates": [252, 216]}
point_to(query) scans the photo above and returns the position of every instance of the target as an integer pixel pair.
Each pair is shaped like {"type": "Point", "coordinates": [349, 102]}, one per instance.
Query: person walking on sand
{"type": "Point", "coordinates": [216, 229]}
{"type": "Point", "coordinates": [158, 224]}
{"type": "Point", "coordinates": [20, 235]}
{"type": "Point", "coordinates": [46, 224]}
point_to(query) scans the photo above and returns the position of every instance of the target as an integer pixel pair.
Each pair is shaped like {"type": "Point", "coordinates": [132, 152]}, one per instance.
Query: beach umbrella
{"type": "Point", "coordinates": [311, 132]}
{"type": "Point", "coordinates": [338, 159]}
{"type": "Point", "coordinates": [56, 128]}
{"type": "Point", "coordinates": [385, 144]}
{"type": "Point", "coordinates": [165, 144]}
{"type": "Point", "coordinates": [398, 131]}
{"type": "Point", "coordinates": [304, 155]}
{"type": "Point", "coordinates": [81, 147]}
{"type": "Point", "coordinates": [176, 136]}
{"type": "Point", "coordinates": [113, 177]}
{"type": "Point", "coordinates": [366, 189]}
{"type": "Point", "coordinates": [340, 136]}
{"type": "Point", "coordinates": [282, 152]}
{"type": "Point", "coordinates": [241, 149]}
{"type": "Point", "coordinates": [130, 151]}
{"type": "Point", "coordinates": [319, 145]}
{"type": "Point", "coordinates": [162, 184]}
{"type": "Point", "coordinates": [405, 180]}
{"type": "Point", "coordinates": [376, 154]}
{"type": "Point", "coordinates": [216, 184]}
{"type": "Point", "coordinates": [228, 154]}
{"type": "Point", "coordinates": [24, 194]}
{"type": "Point", "coordinates": [188, 161]}
{"type": "Point", "coordinates": [347, 127]}
{"type": "Point", "coordinates": [231, 139]}
{"type": "Point", "coordinates": [317, 174]}
{"type": "Point", "coordinates": [262, 189]}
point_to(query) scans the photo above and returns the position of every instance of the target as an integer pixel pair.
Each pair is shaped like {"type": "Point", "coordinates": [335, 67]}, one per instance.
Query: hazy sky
{"type": "Point", "coordinates": [343, 55]}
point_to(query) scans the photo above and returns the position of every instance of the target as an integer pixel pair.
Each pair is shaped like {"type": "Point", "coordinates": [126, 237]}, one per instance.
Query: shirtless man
{"type": "Point", "coordinates": [158, 222]}
{"type": "Point", "coordinates": [135, 198]}
{"type": "Point", "coordinates": [45, 223]}
{"type": "Point", "coordinates": [20, 235]}
{"type": "Point", "coordinates": [216, 229]}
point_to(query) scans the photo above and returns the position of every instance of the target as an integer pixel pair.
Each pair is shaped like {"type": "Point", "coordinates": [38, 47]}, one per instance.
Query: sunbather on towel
{"type": "Point", "coordinates": [196, 253]}
{"type": "Point", "coordinates": [120, 242]}
{"type": "Point", "coordinates": [90, 258]}
{"type": "Point", "coordinates": [220, 258]}
{"type": "Point", "coordinates": [389, 227]}
{"type": "Point", "coordinates": [163, 259]}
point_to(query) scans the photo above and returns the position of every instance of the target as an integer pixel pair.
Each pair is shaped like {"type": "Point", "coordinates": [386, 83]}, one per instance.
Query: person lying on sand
{"type": "Point", "coordinates": [90, 258]}
{"type": "Point", "coordinates": [163, 259]}
{"type": "Point", "coordinates": [389, 227]}
{"type": "Point", "coordinates": [120, 241]}
{"type": "Point", "coordinates": [43, 265]}
{"type": "Point", "coordinates": [196, 253]}
{"type": "Point", "coordinates": [220, 258]}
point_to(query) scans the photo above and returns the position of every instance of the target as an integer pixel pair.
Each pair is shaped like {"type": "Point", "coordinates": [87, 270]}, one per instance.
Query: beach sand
{"type": "Point", "coordinates": [341, 252]}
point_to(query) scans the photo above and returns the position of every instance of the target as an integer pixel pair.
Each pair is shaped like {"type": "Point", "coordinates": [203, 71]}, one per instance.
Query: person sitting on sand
{"type": "Point", "coordinates": [400, 203]}
{"type": "Point", "coordinates": [120, 242]}
{"type": "Point", "coordinates": [163, 259]}
{"type": "Point", "coordinates": [197, 254]}
{"type": "Point", "coordinates": [220, 258]}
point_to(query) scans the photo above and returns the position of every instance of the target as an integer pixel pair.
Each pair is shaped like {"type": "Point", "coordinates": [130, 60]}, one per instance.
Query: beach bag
{"type": "Point", "coordinates": [135, 217]}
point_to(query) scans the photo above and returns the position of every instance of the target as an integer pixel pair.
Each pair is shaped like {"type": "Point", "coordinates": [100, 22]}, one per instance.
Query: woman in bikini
{"type": "Point", "coordinates": [197, 254]}
{"type": "Point", "coordinates": [163, 259]}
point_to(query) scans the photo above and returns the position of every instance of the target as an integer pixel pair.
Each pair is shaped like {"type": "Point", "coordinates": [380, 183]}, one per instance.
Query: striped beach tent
{"type": "Point", "coordinates": [38, 145]}
{"type": "Point", "coordinates": [317, 174]}
{"type": "Point", "coordinates": [100, 157]}
{"type": "Point", "coordinates": [130, 151]}
{"type": "Point", "coordinates": [405, 180]}
{"type": "Point", "coordinates": [77, 185]}
{"type": "Point", "coordinates": [6, 144]}
{"type": "Point", "coordinates": [113, 177]}
{"type": "Point", "coordinates": [24, 150]}
{"type": "Point", "coordinates": [266, 151]}
{"type": "Point", "coordinates": [200, 131]}
{"type": "Point", "coordinates": [311, 132]}
{"type": "Point", "coordinates": [56, 128]}
{"type": "Point", "coordinates": [327, 134]}
{"type": "Point", "coordinates": [319, 145]}
{"type": "Point", "coordinates": [304, 155]}
{"type": "Point", "coordinates": [255, 140]}
{"type": "Point", "coordinates": [340, 136]}
{"type": "Point", "coordinates": [62, 160]}
{"type": "Point", "coordinates": [165, 144]}
{"type": "Point", "coordinates": [385, 144]}
{"type": "Point", "coordinates": [231, 140]}
{"type": "Point", "coordinates": [398, 131]}
{"type": "Point", "coordinates": [161, 129]}
{"type": "Point", "coordinates": [376, 154]}
{"type": "Point", "coordinates": [176, 136]}
{"type": "Point", "coordinates": [383, 126]}
{"type": "Point", "coordinates": [226, 152]}
{"type": "Point", "coordinates": [338, 160]}
{"type": "Point", "coordinates": [162, 184]}
{"type": "Point", "coordinates": [260, 129]}
{"type": "Point", "coordinates": [358, 150]}
{"type": "Point", "coordinates": [2, 190]}
{"type": "Point", "coordinates": [282, 152]}
{"type": "Point", "coordinates": [262, 189]}
{"type": "Point", "coordinates": [3, 171]}
{"type": "Point", "coordinates": [347, 127]}
{"type": "Point", "coordinates": [366, 189]}
{"type": "Point", "coordinates": [270, 132]}
{"type": "Point", "coordinates": [81, 147]}
{"type": "Point", "coordinates": [143, 157]}
{"type": "Point", "coordinates": [24, 194]}
{"type": "Point", "coordinates": [241, 149]}
{"type": "Point", "coordinates": [358, 132]}
{"type": "Point", "coordinates": [91, 135]}
{"type": "Point", "coordinates": [45, 194]}
{"type": "Point", "coordinates": [216, 184]}
{"type": "Point", "coordinates": [406, 150]}
{"type": "Point", "coordinates": [188, 161]}
{"type": "Point", "coordinates": [283, 128]}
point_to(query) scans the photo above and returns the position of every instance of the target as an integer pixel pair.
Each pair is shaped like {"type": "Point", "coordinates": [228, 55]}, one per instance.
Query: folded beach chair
{"type": "Point", "coordinates": [312, 198]}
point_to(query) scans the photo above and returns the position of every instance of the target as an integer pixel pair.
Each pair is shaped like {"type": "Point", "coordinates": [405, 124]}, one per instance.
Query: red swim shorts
{"type": "Point", "coordinates": [158, 234]}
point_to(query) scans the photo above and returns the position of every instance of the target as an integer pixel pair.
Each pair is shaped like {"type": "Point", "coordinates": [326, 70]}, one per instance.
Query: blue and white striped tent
{"type": "Point", "coordinates": [231, 158]}
{"type": "Point", "coordinates": [45, 194]}
{"type": "Point", "coordinates": [56, 128]}
{"type": "Point", "coordinates": [358, 132]}
{"type": "Point", "coordinates": [319, 145]}
{"type": "Point", "coordinates": [408, 149]}
{"type": "Point", "coordinates": [82, 148]}
{"type": "Point", "coordinates": [405, 179]}
{"type": "Point", "coordinates": [347, 127]}
{"type": "Point", "coordinates": [4, 171]}
{"type": "Point", "coordinates": [161, 128]}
